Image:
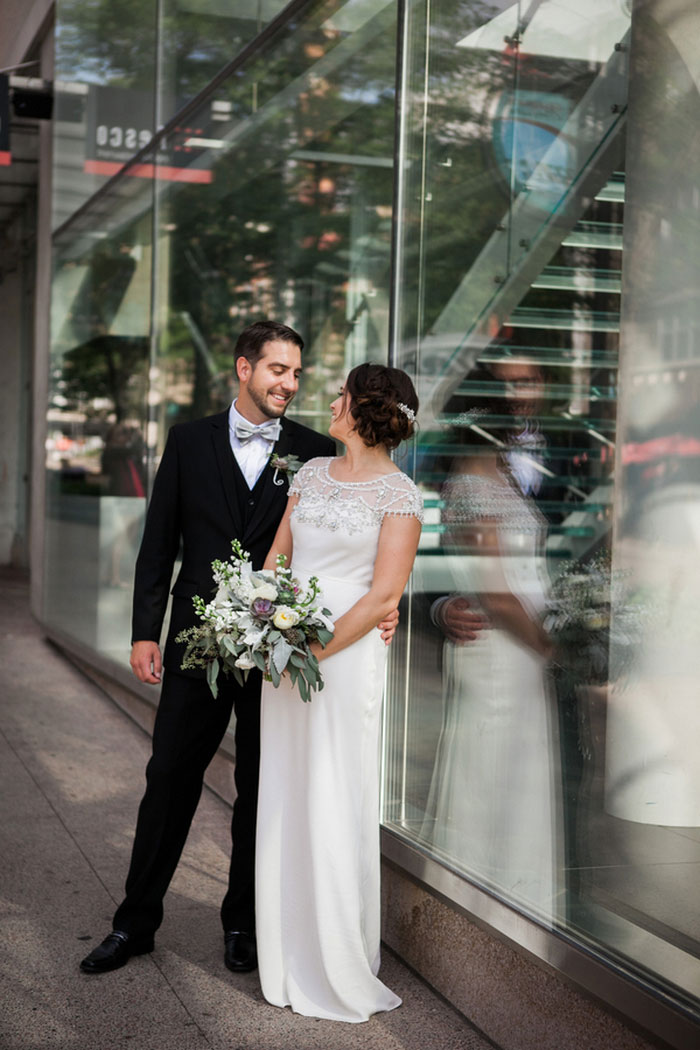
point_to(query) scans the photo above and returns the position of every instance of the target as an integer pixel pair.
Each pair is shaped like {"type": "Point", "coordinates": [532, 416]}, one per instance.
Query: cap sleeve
{"type": "Point", "coordinates": [402, 499]}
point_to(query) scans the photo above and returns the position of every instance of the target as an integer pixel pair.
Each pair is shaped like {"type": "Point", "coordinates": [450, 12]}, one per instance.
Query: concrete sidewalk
{"type": "Point", "coordinates": [71, 776]}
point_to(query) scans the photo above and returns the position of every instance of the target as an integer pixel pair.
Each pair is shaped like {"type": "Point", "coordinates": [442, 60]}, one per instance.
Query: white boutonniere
{"type": "Point", "coordinates": [288, 465]}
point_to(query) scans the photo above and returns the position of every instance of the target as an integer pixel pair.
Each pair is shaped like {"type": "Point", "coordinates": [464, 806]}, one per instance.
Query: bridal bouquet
{"type": "Point", "coordinates": [261, 619]}
{"type": "Point", "coordinates": [591, 615]}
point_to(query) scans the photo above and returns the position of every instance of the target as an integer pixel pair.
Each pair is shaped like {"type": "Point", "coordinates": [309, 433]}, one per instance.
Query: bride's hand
{"type": "Point", "coordinates": [388, 626]}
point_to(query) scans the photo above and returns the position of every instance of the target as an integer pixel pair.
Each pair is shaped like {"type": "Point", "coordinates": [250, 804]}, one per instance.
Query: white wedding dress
{"type": "Point", "coordinates": [495, 810]}
{"type": "Point", "coordinates": [317, 852]}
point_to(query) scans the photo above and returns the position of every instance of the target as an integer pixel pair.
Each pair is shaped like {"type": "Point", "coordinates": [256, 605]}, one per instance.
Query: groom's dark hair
{"type": "Point", "coordinates": [253, 338]}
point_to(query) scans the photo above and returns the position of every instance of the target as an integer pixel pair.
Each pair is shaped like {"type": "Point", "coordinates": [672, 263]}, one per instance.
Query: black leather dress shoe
{"type": "Point", "coordinates": [115, 951]}
{"type": "Point", "coordinates": [240, 951]}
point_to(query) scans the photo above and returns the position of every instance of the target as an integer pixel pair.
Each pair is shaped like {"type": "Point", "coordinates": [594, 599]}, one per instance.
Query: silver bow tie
{"type": "Point", "coordinates": [270, 431]}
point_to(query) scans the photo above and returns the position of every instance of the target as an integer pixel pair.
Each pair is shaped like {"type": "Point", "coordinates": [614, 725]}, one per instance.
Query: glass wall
{"type": "Point", "coordinates": [281, 207]}
{"type": "Point", "coordinates": [551, 759]}
{"type": "Point", "coordinates": [521, 238]}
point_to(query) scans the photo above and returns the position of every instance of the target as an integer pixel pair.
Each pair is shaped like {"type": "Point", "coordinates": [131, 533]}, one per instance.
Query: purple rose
{"type": "Point", "coordinates": [262, 606]}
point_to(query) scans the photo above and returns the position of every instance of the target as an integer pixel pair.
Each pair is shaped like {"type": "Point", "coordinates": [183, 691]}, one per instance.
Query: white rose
{"type": "Point", "coordinates": [265, 590]}
{"type": "Point", "coordinates": [245, 661]}
{"type": "Point", "coordinates": [285, 617]}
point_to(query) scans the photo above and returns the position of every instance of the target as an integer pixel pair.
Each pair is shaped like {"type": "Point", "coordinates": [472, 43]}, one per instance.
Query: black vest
{"type": "Point", "coordinates": [247, 498]}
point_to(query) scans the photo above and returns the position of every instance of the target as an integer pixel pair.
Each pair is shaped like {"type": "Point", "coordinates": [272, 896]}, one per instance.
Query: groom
{"type": "Point", "coordinates": [214, 483]}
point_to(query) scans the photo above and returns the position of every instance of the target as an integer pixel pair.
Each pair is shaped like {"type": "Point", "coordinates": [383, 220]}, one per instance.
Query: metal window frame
{"type": "Point", "coordinates": [629, 995]}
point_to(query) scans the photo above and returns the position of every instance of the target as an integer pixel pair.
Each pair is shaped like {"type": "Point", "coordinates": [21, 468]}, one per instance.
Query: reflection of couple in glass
{"type": "Point", "coordinates": [493, 807]}
{"type": "Point", "coordinates": [353, 522]}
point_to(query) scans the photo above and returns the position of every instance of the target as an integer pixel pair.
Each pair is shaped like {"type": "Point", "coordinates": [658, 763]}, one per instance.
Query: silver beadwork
{"type": "Point", "coordinates": [473, 499]}
{"type": "Point", "coordinates": [407, 411]}
{"type": "Point", "coordinates": [352, 506]}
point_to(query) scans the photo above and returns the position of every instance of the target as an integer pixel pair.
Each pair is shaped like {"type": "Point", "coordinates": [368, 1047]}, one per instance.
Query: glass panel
{"type": "Point", "coordinates": [104, 94]}
{"type": "Point", "coordinates": [286, 213]}
{"type": "Point", "coordinates": [124, 68]}
{"type": "Point", "coordinates": [648, 850]}
{"type": "Point", "coordinates": [199, 37]}
{"type": "Point", "coordinates": [533, 759]}
{"type": "Point", "coordinates": [96, 451]}
{"type": "Point", "coordinates": [280, 205]}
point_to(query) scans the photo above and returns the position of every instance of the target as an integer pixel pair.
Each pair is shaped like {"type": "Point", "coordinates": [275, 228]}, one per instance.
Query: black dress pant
{"type": "Point", "coordinates": [189, 727]}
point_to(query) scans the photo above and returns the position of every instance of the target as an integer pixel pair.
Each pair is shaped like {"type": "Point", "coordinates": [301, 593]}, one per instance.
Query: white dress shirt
{"type": "Point", "coordinates": [251, 456]}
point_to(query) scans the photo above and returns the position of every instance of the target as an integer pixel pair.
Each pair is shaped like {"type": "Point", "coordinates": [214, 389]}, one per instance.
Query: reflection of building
{"type": "Point", "coordinates": [535, 204]}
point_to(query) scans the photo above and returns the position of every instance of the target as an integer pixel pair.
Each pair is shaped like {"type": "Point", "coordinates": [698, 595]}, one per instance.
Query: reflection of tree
{"type": "Point", "coordinates": [107, 367]}
{"type": "Point", "coordinates": [283, 236]}
{"type": "Point", "coordinates": [97, 363]}
{"type": "Point", "coordinates": [109, 273]}
{"type": "Point", "coordinates": [109, 41]}
{"type": "Point", "coordinates": [114, 42]}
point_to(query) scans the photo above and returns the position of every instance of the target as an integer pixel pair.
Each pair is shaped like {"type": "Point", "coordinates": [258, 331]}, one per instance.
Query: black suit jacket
{"type": "Point", "coordinates": [200, 500]}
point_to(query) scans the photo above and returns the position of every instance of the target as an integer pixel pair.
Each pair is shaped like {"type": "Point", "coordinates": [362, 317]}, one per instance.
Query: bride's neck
{"type": "Point", "coordinates": [359, 459]}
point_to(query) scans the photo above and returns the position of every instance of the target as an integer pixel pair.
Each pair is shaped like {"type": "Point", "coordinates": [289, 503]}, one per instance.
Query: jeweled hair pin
{"type": "Point", "coordinates": [407, 411]}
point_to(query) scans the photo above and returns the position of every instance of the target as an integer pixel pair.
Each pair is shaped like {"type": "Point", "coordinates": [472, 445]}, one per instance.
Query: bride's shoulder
{"type": "Point", "coordinates": [401, 481]}
{"type": "Point", "coordinates": [402, 495]}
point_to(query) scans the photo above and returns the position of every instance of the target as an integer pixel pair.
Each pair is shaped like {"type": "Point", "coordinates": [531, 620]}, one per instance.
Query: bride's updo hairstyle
{"type": "Point", "coordinates": [384, 404]}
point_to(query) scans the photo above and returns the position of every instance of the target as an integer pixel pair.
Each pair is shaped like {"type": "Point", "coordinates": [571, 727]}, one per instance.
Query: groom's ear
{"type": "Point", "coordinates": [244, 369]}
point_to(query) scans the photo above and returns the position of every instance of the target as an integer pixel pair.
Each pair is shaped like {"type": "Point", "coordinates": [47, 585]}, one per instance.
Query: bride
{"type": "Point", "coordinates": [354, 522]}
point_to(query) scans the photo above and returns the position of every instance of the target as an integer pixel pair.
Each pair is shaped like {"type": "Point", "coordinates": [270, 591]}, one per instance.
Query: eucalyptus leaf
{"type": "Point", "coordinates": [237, 675]}
{"type": "Point", "coordinates": [212, 675]}
{"type": "Point", "coordinates": [312, 673]}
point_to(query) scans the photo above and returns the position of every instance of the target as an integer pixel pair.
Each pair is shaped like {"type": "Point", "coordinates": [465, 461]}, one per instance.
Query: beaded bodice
{"type": "Point", "coordinates": [351, 507]}
{"type": "Point", "coordinates": [336, 525]}
{"type": "Point", "coordinates": [473, 499]}
{"type": "Point", "coordinates": [474, 503]}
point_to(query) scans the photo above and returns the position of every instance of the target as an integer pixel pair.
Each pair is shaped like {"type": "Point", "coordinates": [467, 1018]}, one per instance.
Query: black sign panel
{"type": "Point", "coordinates": [120, 123]}
{"type": "Point", "coordinates": [5, 156]}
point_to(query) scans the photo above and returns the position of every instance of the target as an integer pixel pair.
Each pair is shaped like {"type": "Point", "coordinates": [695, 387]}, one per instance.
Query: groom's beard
{"type": "Point", "coordinates": [270, 408]}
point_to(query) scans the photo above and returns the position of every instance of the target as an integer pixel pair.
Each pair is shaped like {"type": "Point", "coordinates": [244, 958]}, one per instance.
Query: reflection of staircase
{"type": "Point", "coordinates": [525, 246]}
{"type": "Point", "coordinates": [527, 317]}
{"type": "Point", "coordinates": [577, 279]}
{"type": "Point", "coordinates": [566, 323]}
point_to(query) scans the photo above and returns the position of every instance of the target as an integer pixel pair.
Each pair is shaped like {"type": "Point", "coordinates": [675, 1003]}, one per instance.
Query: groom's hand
{"type": "Point", "coordinates": [388, 626]}
{"type": "Point", "coordinates": [456, 618]}
{"type": "Point", "coordinates": [146, 662]}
